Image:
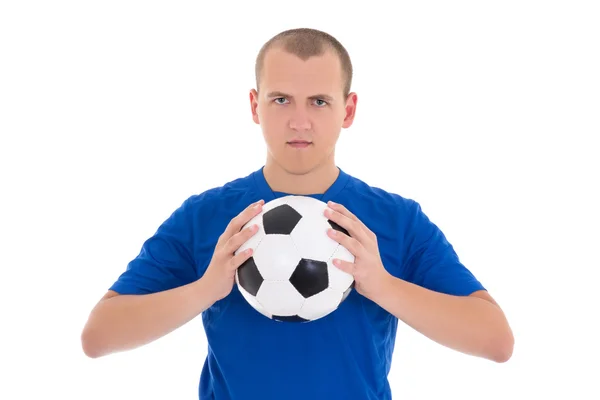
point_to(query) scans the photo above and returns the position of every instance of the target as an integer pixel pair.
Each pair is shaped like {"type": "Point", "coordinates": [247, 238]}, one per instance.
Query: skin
{"type": "Point", "coordinates": [286, 110]}
{"type": "Point", "coordinates": [472, 324]}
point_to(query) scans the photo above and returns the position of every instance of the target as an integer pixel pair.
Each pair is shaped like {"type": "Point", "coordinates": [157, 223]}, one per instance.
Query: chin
{"type": "Point", "coordinates": [298, 168]}
{"type": "Point", "coordinates": [298, 164]}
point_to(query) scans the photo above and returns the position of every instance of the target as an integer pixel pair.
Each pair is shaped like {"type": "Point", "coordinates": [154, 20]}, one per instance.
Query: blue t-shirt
{"type": "Point", "coordinates": [345, 355]}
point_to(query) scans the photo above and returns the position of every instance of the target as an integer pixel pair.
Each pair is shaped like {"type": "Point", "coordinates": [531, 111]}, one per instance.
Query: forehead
{"type": "Point", "coordinates": [286, 72]}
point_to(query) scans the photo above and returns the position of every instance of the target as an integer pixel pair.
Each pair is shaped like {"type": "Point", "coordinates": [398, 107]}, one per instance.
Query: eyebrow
{"type": "Point", "coordinates": [313, 97]}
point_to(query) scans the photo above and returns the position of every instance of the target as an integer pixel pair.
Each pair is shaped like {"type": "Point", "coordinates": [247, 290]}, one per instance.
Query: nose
{"type": "Point", "coordinates": [299, 121]}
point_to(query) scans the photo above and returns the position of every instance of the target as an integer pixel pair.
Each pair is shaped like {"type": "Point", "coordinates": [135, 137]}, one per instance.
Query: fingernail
{"type": "Point", "coordinates": [332, 232]}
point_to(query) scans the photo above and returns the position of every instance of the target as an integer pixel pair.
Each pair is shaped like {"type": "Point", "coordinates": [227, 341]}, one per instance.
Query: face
{"type": "Point", "coordinates": [301, 109]}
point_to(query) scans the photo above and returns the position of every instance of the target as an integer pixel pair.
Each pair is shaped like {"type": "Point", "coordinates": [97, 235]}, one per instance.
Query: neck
{"type": "Point", "coordinates": [315, 181]}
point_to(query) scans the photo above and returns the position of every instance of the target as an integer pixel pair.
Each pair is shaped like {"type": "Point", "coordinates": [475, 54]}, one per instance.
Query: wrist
{"type": "Point", "coordinates": [387, 289]}
{"type": "Point", "coordinates": [204, 292]}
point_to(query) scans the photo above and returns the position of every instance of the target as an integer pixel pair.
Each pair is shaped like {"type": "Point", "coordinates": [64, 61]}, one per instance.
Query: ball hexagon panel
{"type": "Point", "coordinates": [306, 206]}
{"type": "Point", "coordinates": [339, 279]}
{"type": "Point", "coordinates": [311, 239]}
{"type": "Point", "coordinates": [320, 304]}
{"type": "Point", "coordinates": [251, 299]}
{"type": "Point", "coordinates": [280, 298]}
{"type": "Point", "coordinates": [276, 257]}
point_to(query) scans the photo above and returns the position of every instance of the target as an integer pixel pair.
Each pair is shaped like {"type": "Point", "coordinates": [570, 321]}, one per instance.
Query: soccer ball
{"type": "Point", "coordinates": [290, 276]}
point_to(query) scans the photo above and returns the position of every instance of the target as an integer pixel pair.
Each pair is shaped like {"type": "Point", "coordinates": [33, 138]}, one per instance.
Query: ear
{"type": "Point", "coordinates": [254, 106]}
{"type": "Point", "coordinates": [350, 108]}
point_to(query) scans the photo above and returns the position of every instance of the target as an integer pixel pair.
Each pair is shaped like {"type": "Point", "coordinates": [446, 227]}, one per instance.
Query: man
{"type": "Point", "coordinates": [404, 268]}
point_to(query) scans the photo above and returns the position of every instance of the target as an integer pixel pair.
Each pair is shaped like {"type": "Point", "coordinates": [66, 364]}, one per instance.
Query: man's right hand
{"type": "Point", "coordinates": [123, 322]}
{"type": "Point", "coordinates": [220, 274]}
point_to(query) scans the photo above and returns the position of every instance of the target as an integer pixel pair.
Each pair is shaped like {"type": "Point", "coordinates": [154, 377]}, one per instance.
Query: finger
{"type": "Point", "coordinates": [238, 239]}
{"type": "Point", "coordinates": [353, 227]}
{"type": "Point", "coordinates": [344, 265]}
{"type": "Point", "coordinates": [350, 243]}
{"type": "Point", "coordinates": [236, 224]}
{"type": "Point", "coordinates": [342, 210]}
{"type": "Point", "coordinates": [239, 258]}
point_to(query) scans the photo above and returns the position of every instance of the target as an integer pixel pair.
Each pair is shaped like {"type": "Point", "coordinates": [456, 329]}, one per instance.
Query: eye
{"type": "Point", "coordinates": [323, 102]}
{"type": "Point", "coordinates": [279, 98]}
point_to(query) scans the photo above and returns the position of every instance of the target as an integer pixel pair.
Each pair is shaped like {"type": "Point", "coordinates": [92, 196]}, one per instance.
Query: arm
{"type": "Point", "coordinates": [160, 291]}
{"type": "Point", "coordinates": [472, 324]}
{"type": "Point", "coordinates": [154, 296]}
{"type": "Point", "coordinates": [123, 322]}
{"type": "Point", "coordinates": [433, 296]}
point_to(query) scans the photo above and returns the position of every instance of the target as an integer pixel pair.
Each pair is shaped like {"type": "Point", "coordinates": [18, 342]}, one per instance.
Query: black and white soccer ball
{"type": "Point", "coordinates": [290, 276]}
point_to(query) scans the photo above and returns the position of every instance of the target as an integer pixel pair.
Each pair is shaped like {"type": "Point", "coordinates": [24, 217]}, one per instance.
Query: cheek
{"type": "Point", "coordinates": [331, 130]}
{"type": "Point", "coordinates": [269, 116]}
{"type": "Point", "coordinates": [273, 129]}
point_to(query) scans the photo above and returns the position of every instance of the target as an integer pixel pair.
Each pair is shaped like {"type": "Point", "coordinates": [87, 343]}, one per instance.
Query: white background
{"type": "Point", "coordinates": [487, 113]}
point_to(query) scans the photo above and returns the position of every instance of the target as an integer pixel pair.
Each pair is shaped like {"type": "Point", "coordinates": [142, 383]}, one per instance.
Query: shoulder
{"type": "Point", "coordinates": [231, 194]}
{"type": "Point", "coordinates": [206, 213]}
{"type": "Point", "coordinates": [380, 201]}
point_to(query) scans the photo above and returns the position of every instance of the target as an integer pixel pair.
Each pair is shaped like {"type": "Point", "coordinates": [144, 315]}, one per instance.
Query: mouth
{"type": "Point", "coordinates": [299, 144]}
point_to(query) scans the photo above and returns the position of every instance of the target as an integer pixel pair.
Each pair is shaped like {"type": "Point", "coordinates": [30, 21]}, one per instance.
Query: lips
{"type": "Point", "coordinates": [299, 144]}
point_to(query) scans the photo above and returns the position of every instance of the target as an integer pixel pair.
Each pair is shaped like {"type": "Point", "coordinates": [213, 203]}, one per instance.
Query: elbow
{"type": "Point", "coordinates": [502, 349]}
{"type": "Point", "coordinates": [90, 345]}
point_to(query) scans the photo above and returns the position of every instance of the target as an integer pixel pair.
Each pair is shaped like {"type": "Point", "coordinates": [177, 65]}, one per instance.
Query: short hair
{"type": "Point", "coordinates": [305, 43]}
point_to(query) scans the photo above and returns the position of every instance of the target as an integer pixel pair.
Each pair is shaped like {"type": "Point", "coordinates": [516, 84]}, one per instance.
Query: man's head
{"type": "Point", "coordinates": [303, 79]}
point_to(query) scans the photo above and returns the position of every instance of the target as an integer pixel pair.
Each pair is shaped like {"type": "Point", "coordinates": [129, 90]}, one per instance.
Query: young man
{"type": "Point", "coordinates": [404, 268]}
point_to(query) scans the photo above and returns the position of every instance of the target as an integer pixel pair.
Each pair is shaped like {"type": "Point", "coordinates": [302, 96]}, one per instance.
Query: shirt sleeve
{"type": "Point", "coordinates": [432, 261]}
{"type": "Point", "coordinates": [165, 260]}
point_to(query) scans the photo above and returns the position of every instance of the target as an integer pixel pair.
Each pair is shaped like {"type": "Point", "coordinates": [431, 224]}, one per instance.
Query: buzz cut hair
{"type": "Point", "coordinates": [305, 43]}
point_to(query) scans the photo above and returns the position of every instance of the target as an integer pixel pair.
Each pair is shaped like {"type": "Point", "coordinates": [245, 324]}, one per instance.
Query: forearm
{"type": "Point", "coordinates": [467, 324]}
{"type": "Point", "coordinates": [125, 322]}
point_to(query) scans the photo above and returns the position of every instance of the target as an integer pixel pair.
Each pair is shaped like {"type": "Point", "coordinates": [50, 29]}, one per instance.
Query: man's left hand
{"type": "Point", "coordinates": [367, 268]}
